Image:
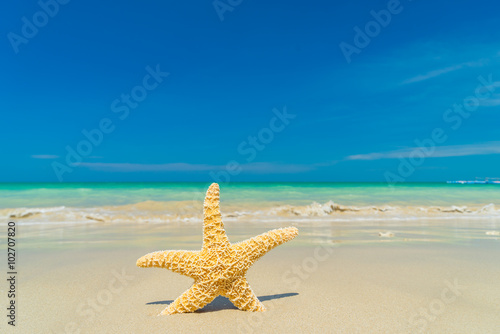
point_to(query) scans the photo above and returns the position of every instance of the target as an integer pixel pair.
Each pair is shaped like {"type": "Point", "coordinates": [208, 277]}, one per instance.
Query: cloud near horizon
{"type": "Point", "coordinates": [44, 156]}
{"type": "Point", "coordinates": [255, 167]}
{"type": "Point", "coordinates": [439, 152]}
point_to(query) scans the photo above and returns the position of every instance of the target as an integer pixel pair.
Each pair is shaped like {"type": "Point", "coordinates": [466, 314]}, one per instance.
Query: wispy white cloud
{"type": "Point", "coordinates": [273, 168]}
{"type": "Point", "coordinates": [490, 103]}
{"type": "Point", "coordinates": [44, 156]}
{"type": "Point", "coordinates": [432, 74]}
{"type": "Point", "coordinates": [326, 164]}
{"type": "Point", "coordinates": [493, 86]}
{"type": "Point", "coordinates": [444, 70]}
{"type": "Point", "coordinates": [494, 100]}
{"type": "Point", "coordinates": [439, 152]}
{"type": "Point", "coordinates": [134, 167]}
{"type": "Point", "coordinates": [256, 167]}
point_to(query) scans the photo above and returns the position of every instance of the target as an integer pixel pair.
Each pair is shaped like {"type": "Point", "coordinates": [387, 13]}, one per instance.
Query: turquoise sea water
{"type": "Point", "coordinates": [14, 195]}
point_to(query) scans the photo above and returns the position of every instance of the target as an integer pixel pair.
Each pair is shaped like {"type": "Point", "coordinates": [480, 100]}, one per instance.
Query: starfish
{"type": "Point", "coordinates": [219, 268]}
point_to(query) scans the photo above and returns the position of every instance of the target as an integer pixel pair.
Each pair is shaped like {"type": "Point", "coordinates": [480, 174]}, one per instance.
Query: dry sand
{"type": "Point", "coordinates": [83, 279]}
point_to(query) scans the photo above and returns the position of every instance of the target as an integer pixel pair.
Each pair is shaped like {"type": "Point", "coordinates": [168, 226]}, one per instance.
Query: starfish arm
{"type": "Point", "coordinates": [253, 249]}
{"type": "Point", "coordinates": [182, 262]}
{"type": "Point", "coordinates": [197, 296]}
{"type": "Point", "coordinates": [214, 234]}
{"type": "Point", "coordinates": [243, 297]}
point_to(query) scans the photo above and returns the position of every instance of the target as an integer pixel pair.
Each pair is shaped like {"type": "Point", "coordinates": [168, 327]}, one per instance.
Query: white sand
{"type": "Point", "coordinates": [307, 287]}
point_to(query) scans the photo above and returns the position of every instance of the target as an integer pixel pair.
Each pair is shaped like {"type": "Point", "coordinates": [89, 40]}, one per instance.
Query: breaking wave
{"type": "Point", "coordinates": [190, 212]}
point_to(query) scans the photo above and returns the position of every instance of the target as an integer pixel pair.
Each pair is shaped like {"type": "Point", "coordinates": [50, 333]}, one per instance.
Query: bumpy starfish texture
{"type": "Point", "coordinates": [220, 267]}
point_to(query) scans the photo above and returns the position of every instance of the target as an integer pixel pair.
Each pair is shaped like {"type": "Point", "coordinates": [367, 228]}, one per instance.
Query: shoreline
{"type": "Point", "coordinates": [190, 212]}
{"type": "Point", "coordinates": [312, 232]}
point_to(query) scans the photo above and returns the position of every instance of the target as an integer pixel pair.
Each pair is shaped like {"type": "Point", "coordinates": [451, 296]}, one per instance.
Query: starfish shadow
{"type": "Point", "coordinates": [222, 303]}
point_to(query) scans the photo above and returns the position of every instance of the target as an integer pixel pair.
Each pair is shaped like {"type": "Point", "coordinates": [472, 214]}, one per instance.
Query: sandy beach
{"type": "Point", "coordinates": [333, 278]}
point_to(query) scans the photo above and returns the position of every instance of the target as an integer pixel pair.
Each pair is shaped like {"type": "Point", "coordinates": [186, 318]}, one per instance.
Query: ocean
{"type": "Point", "coordinates": [167, 202]}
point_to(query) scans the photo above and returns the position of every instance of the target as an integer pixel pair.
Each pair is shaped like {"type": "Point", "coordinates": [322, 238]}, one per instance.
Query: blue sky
{"type": "Point", "coordinates": [185, 96]}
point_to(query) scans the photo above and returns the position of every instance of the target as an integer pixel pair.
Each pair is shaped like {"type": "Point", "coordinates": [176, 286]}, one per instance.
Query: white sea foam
{"type": "Point", "coordinates": [190, 212]}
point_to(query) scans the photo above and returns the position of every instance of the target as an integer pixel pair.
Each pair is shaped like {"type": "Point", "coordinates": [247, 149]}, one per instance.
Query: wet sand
{"type": "Point", "coordinates": [432, 277]}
